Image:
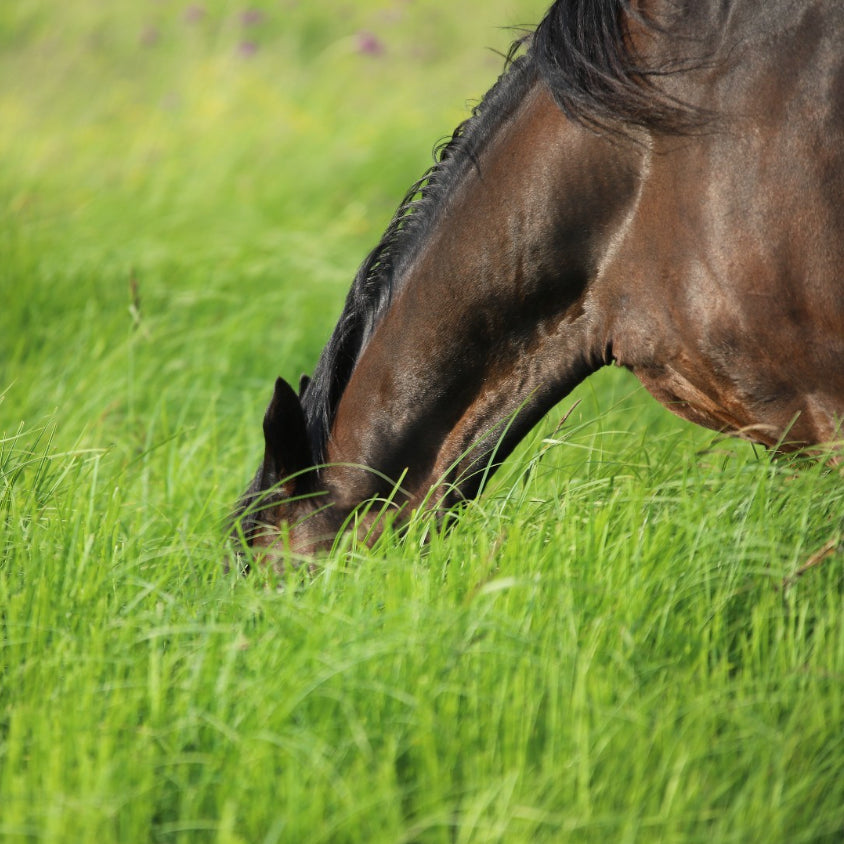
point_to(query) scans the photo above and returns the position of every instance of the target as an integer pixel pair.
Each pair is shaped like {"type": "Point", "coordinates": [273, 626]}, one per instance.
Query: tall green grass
{"type": "Point", "coordinates": [611, 645]}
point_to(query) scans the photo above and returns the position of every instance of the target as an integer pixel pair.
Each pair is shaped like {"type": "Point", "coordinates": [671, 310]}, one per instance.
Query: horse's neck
{"type": "Point", "coordinates": [490, 324]}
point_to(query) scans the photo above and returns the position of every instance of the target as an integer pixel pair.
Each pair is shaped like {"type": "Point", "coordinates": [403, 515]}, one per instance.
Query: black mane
{"type": "Point", "coordinates": [582, 51]}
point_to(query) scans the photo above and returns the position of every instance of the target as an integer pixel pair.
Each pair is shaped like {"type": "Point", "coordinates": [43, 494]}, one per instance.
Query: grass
{"type": "Point", "coordinates": [601, 650]}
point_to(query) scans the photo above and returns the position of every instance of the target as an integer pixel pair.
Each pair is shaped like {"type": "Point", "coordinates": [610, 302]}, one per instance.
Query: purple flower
{"type": "Point", "coordinates": [247, 49]}
{"type": "Point", "coordinates": [251, 17]}
{"type": "Point", "coordinates": [150, 37]}
{"type": "Point", "coordinates": [369, 44]}
{"type": "Point", "coordinates": [194, 14]}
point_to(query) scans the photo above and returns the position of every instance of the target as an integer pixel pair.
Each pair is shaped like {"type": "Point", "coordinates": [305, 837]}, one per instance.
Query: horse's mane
{"type": "Point", "coordinates": [582, 50]}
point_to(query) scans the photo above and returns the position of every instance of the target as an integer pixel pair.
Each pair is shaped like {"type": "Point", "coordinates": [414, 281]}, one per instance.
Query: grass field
{"type": "Point", "coordinates": [612, 645]}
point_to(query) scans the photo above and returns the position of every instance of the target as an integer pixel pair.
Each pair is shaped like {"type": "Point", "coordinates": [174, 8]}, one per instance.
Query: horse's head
{"type": "Point", "coordinates": [296, 505]}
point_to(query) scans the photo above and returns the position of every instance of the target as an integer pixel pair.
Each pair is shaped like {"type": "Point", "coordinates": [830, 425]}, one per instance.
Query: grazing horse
{"type": "Point", "coordinates": [655, 184]}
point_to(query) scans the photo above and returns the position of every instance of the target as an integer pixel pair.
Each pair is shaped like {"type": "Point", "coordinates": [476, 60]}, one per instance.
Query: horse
{"type": "Point", "coordinates": [654, 184]}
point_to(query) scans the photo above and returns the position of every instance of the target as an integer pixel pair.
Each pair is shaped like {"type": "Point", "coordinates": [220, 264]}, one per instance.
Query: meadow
{"type": "Point", "coordinates": [635, 635]}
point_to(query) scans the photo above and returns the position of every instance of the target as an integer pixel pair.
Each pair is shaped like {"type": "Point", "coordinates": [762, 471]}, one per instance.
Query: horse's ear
{"type": "Point", "coordinates": [287, 449]}
{"type": "Point", "coordinates": [304, 383]}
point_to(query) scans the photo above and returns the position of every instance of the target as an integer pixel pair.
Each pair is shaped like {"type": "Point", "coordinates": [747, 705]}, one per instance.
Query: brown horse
{"type": "Point", "coordinates": [655, 184]}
